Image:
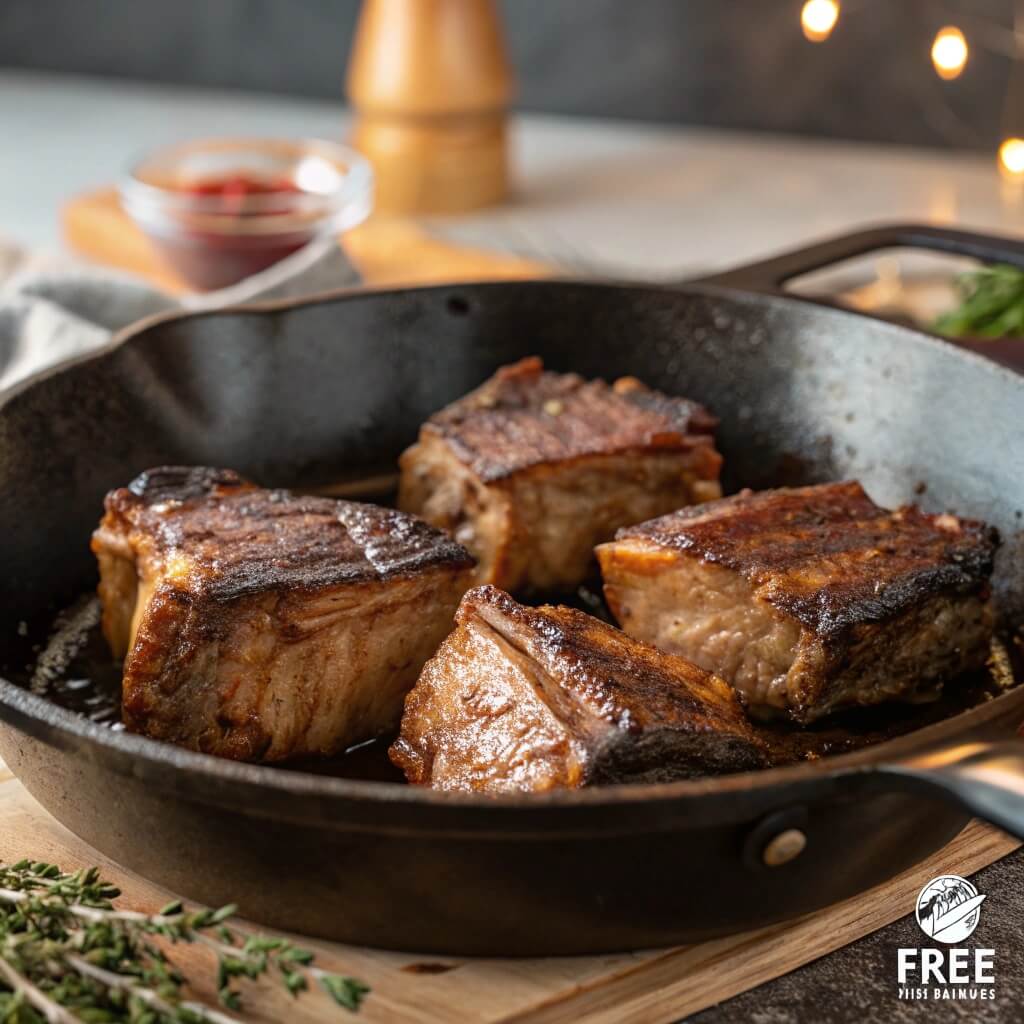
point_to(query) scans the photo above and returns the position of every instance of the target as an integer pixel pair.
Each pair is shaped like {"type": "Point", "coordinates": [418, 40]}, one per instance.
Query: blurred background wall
{"type": "Point", "coordinates": [728, 63]}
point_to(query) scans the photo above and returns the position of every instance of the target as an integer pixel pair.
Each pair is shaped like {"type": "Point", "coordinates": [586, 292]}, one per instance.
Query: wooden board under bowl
{"type": "Point", "coordinates": [387, 251]}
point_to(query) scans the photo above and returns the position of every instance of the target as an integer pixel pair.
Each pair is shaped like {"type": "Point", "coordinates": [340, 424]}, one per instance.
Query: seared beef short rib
{"type": "Point", "coordinates": [532, 469]}
{"type": "Point", "coordinates": [259, 625]}
{"type": "Point", "coordinates": [810, 599]}
{"type": "Point", "coordinates": [521, 698]}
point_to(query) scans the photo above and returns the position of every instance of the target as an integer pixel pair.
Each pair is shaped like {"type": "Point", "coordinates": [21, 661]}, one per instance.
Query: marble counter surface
{"type": "Point", "coordinates": [618, 198]}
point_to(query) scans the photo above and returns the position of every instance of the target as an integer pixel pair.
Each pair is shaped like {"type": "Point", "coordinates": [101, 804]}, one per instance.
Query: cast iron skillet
{"type": "Point", "coordinates": [305, 393]}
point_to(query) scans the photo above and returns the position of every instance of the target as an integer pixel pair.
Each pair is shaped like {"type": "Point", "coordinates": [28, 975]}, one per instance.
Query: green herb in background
{"type": "Point", "coordinates": [992, 305]}
{"type": "Point", "coordinates": [68, 956]}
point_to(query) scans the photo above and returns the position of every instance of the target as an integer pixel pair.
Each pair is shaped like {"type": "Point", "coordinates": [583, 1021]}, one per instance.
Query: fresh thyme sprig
{"type": "Point", "coordinates": [69, 956]}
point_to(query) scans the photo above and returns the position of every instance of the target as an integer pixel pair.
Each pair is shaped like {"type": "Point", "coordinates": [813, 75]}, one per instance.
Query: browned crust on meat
{"type": "Point", "coordinates": [597, 707]}
{"type": "Point", "coordinates": [176, 686]}
{"type": "Point", "coordinates": [175, 634]}
{"type": "Point", "coordinates": [828, 555]}
{"type": "Point", "coordinates": [627, 682]}
{"type": "Point", "coordinates": [524, 417]}
{"type": "Point", "coordinates": [237, 539]}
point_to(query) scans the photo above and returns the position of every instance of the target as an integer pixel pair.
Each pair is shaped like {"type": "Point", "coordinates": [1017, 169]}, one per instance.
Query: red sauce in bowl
{"type": "Point", "coordinates": [220, 210]}
{"type": "Point", "coordinates": [209, 251]}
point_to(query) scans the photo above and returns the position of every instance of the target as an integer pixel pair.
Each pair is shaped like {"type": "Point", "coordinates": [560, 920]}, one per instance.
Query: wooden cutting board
{"type": "Point", "coordinates": [387, 251]}
{"type": "Point", "coordinates": [632, 988]}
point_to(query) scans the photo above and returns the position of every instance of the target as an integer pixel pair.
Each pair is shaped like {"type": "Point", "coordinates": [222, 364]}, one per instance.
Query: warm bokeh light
{"type": "Point", "coordinates": [949, 52]}
{"type": "Point", "coordinates": [1011, 156]}
{"type": "Point", "coordinates": [818, 18]}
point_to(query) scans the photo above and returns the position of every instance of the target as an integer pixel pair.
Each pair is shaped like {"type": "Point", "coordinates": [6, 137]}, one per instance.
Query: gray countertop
{"type": "Point", "coordinates": [619, 198]}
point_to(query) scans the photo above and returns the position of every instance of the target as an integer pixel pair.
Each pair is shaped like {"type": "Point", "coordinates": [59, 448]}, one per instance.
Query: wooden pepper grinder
{"type": "Point", "coordinates": [430, 84]}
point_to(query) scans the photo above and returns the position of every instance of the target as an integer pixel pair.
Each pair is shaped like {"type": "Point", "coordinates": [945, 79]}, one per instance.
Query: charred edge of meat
{"type": "Point", "coordinates": [521, 698]}
{"type": "Point", "coordinates": [669, 755]}
{"type": "Point", "coordinates": [629, 683]}
{"type": "Point", "coordinates": [581, 650]}
{"type": "Point", "coordinates": [184, 483]}
{"type": "Point", "coordinates": [881, 563]}
{"type": "Point", "coordinates": [525, 416]}
{"type": "Point", "coordinates": [239, 539]}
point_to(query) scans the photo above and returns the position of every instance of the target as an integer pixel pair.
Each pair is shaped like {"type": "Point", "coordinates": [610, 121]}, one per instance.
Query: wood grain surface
{"type": "Point", "coordinates": [648, 987]}
{"type": "Point", "coordinates": [387, 251]}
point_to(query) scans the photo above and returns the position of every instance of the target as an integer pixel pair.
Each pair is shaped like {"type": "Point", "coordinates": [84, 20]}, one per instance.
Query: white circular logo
{"type": "Point", "coordinates": [949, 908]}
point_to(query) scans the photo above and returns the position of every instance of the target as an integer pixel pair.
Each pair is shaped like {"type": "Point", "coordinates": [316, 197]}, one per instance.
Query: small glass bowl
{"type": "Point", "coordinates": [220, 210]}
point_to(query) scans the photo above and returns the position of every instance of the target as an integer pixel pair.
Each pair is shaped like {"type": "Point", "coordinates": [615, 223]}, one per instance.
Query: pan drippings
{"type": "Point", "coordinates": [64, 658]}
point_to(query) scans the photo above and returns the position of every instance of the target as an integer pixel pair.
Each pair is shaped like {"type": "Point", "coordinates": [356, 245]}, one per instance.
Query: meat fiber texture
{"type": "Point", "coordinates": [260, 625]}
{"type": "Point", "coordinates": [533, 468]}
{"type": "Point", "coordinates": [809, 600]}
{"type": "Point", "coordinates": [534, 699]}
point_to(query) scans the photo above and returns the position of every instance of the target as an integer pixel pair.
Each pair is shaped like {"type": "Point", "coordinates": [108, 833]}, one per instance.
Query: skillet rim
{"type": "Point", "coordinates": [56, 725]}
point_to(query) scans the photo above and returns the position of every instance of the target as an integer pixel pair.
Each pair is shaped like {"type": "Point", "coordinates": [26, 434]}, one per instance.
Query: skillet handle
{"type": "Point", "coordinates": [986, 779]}
{"type": "Point", "coordinates": [768, 276]}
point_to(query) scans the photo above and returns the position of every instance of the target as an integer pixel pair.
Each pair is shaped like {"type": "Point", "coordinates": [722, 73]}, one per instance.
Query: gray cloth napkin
{"type": "Point", "coordinates": [52, 308]}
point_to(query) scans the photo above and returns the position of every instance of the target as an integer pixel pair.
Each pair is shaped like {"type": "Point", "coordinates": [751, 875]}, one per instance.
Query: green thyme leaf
{"type": "Point", "coordinates": [346, 992]}
{"type": "Point", "coordinates": [991, 305]}
{"type": "Point", "coordinates": [220, 916]}
{"type": "Point", "coordinates": [66, 947]}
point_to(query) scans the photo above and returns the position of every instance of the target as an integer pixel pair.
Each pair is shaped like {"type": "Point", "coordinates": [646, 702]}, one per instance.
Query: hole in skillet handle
{"type": "Point", "coordinates": [777, 839]}
{"type": "Point", "coordinates": [769, 276]}
{"type": "Point", "coordinates": [457, 305]}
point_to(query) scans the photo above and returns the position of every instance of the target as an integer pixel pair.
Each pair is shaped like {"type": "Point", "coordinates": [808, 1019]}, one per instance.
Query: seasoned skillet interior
{"type": "Point", "coordinates": [339, 388]}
